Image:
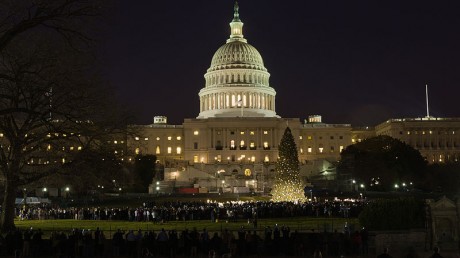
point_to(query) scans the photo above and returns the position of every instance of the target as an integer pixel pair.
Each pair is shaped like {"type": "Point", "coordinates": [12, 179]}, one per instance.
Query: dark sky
{"type": "Point", "coordinates": [358, 62]}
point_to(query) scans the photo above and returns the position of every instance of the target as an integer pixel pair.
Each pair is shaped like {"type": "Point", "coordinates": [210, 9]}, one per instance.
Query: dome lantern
{"type": "Point", "coordinates": [236, 26]}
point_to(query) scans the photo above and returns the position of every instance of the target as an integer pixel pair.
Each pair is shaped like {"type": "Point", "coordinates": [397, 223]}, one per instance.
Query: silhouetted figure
{"type": "Point", "coordinates": [436, 253]}
{"type": "Point", "coordinates": [384, 254]}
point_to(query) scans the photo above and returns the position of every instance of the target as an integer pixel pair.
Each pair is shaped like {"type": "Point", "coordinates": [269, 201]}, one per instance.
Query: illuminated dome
{"type": "Point", "coordinates": [237, 82]}
{"type": "Point", "coordinates": [237, 54]}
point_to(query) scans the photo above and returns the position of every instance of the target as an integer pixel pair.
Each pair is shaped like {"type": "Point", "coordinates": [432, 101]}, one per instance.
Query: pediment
{"type": "Point", "coordinates": [443, 203]}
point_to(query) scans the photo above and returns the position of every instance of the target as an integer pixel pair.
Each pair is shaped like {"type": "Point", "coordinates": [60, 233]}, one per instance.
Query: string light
{"type": "Point", "coordinates": [288, 186]}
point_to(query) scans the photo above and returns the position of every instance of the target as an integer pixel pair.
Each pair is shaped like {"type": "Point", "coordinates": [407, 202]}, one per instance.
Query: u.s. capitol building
{"type": "Point", "coordinates": [233, 142]}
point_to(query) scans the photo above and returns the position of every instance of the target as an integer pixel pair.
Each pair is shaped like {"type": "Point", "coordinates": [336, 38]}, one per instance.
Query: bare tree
{"type": "Point", "coordinates": [52, 104]}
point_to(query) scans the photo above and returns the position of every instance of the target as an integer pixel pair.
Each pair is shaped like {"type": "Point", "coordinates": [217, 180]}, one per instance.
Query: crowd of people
{"type": "Point", "coordinates": [270, 241]}
{"type": "Point", "coordinates": [174, 211]}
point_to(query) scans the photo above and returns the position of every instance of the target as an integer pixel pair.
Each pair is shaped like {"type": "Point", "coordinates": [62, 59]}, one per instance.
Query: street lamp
{"type": "Point", "coordinates": [67, 190]}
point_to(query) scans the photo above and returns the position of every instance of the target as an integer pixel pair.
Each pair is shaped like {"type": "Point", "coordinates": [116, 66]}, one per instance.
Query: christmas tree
{"type": "Point", "coordinates": [287, 186]}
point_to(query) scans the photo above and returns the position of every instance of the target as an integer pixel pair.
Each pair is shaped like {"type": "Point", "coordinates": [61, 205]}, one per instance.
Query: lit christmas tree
{"type": "Point", "coordinates": [287, 186]}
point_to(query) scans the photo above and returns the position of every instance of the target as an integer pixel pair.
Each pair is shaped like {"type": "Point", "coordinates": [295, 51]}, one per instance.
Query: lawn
{"type": "Point", "coordinates": [302, 224]}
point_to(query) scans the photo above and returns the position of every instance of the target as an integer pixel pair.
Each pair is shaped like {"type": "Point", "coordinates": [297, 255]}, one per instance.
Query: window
{"type": "Point", "coordinates": [301, 150]}
{"type": "Point", "coordinates": [179, 138]}
{"type": "Point", "coordinates": [408, 132]}
{"type": "Point", "coordinates": [252, 146]}
{"type": "Point", "coordinates": [309, 149]}
{"type": "Point", "coordinates": [195, 158]}
{"type": "Point", "coordinates": [242, 143]}
{"type": "Point", "coordinates": [136, 138]}
{"type": "Point", "coordinates": [251, 132]}
{"type": "Point", "coordinates": [146, 139]}
{"type": "Point", "coordinates": [309, 137]}
{"type": "Point", "coordinates": [232, 144]}
{"type": "Point", "coordinates": [332, 148]}
{"type": "Point", "coordinates": [265, 132]}
{"type": "Point", "coordinates": [158, 138]}
{"type": "Point", "coordinates": [115, 142]}
{"type": "Point", "coordinates": [169, 138]}
{"type": "Point", "coordinates": [232, 132]}
{"type": "Point", "coordinates": [320, 149]}
{"type": "Point", "coordinates": [136, 151]}
{"type": "Point", "coordinates": [332, 137]}
{"type": "Point", "coordinates": [266, 159]}
{"type": "Point", "coordinates": [266, 145]}
{"type": "Point", "coordinates": [321, 137]}
{"type": "Point", "coordinates": [340, 137]}
{"type": "Point", "coordinates": [169, 150]}
{"type": "Point", "coordinates": [341, 148]}
{"type": "Point", "coordinates": [157, 150]}
{"type": "Point", "coordinates": [300, 137]}
{"type": "Point", "coordinates": [242, 133]}
{"type": "Point", "coordinates": [195, 133]}
{"type": "Point", "coordinates": [79, 148]}
{"type": "Point", "coordinates": [178, 150]}
{"type": "Point", "coordinates": [195, 146]}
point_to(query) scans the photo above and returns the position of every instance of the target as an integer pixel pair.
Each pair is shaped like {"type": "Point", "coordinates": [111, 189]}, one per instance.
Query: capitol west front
{"type": "Point", "coordinates": [233, 142]}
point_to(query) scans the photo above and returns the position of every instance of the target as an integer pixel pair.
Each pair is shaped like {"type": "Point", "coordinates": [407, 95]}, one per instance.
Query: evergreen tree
{"type": "Point", "coordinates": [287, 186]}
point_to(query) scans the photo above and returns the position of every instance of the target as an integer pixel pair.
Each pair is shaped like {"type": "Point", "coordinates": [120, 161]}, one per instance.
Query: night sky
{"type": "Point", "coordinates": [358, 62]}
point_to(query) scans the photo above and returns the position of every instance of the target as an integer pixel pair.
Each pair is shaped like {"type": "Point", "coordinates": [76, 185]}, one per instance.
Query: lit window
{"type": "Point", "coordinates": [453, 132]}
{"type": "Point", "coordinates": [423, 132]}
{"type": "Point", "coordinates": [136, 138]}
{"type": "Point", "coordinates": [195, 133]}
{"type": "Point", "coordinates": [79, 148]}
{"type": "Point", "coordinates": [353, 140]}
{"type": "Point", "coordinates": [265, 144]}
{"type": "Point", "coordinates": [158, 138]}
{"type": "Point", "coordinates": [71, 148]}
{"type": "Point", "coordinates": [232, 144]}
{"type": "Point", "coordinates": [122, 142]}
{"type": "Point", "coordinates": [157, 150]}
{"type": "Point", "coordinates": [49, 147]}
{"type": "Point", "coordinates": [251, 132]}
{"type": "Point", "coordinates": [202, 159]}
{"type": "Point", "coordinates": [115, 142]}
{"type": "Point", "coordinates": [195, 158]}
{"type": "Point", "coordinates": [265, 132]}
{"type": "Point", "coordinates": [301, 150]}
{"type": "Point", "coordinates": [253, 158]}
{"type": "Point", "coordinates": [252, 145]}
{"type": "Point", "coordinates": [242, 133]}
{"type": "Point", "coordinates": [178, 150]}
{"type": "Point", "coordinates": [309, 137]}
{"type": "Point", "coordinates": [136, 151]}
{"type": "Point", "coordinates": [169, 138]}
{"type": "Point", "coordinates": [146, 139]}
{"type": "Point", "coordinates": [431, 132]}
{"type": "Point", "coordinates": [300, 137]}
{"type": "Point", "coordinates": [242, 143]}
{"type": "Point", "coordinates": [178, 138]}
{"type": "Point", "coordinates": [332, 148]}
{"type": "Point", "coordinates": [320, 149]}
{"type": "Point", "coordinates": [309, 150]}
{"type": "Point", "coordinates": [116, 152]}
{"type": "Point", "coordinates": [408, 132]}
{"type": "Point", "coordinates": [266, 159]}
{"type": "Point", "coordinates": [341, 148]}
{"type": "Point", "coordinates": [169, 150]}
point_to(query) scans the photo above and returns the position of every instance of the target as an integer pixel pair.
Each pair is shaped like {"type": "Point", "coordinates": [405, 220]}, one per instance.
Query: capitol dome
{"type": "Point", "coordinates": [237, 54]}
{"type": "Point", "coordinates": [237, 82]}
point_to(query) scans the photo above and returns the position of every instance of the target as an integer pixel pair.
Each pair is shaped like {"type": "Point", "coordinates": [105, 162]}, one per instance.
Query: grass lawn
{"type": "Point", "coordinates": [299, 223]}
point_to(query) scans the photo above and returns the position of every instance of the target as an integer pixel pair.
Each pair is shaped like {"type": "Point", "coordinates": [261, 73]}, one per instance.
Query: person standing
{"type": "Point", "coordinates": [384, 254]}
{"type": "Point", "coordinates": [436, 253]}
